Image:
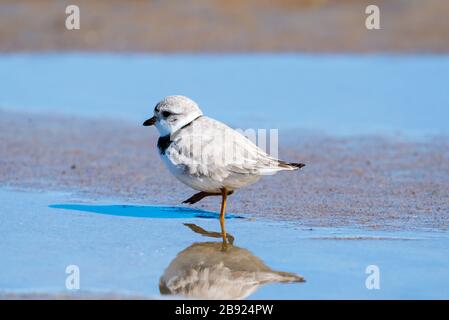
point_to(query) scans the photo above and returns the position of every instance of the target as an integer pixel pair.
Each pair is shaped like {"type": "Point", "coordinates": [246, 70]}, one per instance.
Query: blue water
{"type": "Point", "coordinates": [122, 254]}
{"type": "Point", "coordinates": [328, 93]}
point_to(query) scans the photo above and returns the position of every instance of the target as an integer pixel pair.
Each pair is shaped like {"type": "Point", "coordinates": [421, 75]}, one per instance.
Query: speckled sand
{"type": "Point", "coordinates": [368, 181]}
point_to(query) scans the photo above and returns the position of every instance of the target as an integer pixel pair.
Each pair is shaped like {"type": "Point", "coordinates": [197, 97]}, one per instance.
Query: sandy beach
{"type": "Point", "coordinates": [368, 181]}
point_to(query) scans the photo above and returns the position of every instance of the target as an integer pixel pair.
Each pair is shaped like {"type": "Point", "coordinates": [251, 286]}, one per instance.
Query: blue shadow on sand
{"type": "Point", "coordinates": [159, 212]}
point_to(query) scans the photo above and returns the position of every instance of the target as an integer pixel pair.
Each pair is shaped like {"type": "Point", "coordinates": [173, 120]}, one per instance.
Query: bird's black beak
{"type": "Point", "coordinates": [150, 122]}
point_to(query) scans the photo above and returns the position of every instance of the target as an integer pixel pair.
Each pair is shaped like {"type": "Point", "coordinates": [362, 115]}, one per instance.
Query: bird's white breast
{"type": "Point", "coordinates": [189, 174]}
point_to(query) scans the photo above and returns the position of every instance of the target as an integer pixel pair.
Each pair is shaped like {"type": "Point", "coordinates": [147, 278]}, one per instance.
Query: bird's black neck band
{"type": "Point", "coordinates": [163, 143]}
{"type": "Point", "coordinates": [188, 124]}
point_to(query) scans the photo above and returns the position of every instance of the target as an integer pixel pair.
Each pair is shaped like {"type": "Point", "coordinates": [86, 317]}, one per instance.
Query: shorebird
{"type": "Point", "coordinates": [206, 154]}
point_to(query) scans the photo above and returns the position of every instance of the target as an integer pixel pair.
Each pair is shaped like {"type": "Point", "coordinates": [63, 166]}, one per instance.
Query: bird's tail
{"type": "Point", "coordinates": [291, 165]}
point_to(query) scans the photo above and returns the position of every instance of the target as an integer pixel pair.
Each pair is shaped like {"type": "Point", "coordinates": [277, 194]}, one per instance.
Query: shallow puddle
{"type": "Point", "coordinates": [129, 250]}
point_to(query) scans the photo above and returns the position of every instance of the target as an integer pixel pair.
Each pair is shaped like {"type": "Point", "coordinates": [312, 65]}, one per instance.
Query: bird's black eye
{"type": "Point", "coordinates": [166, 114]}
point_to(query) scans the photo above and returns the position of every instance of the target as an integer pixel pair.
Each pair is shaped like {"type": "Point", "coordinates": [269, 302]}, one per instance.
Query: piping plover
{"type": "Point", "coordinates": [206, 154]}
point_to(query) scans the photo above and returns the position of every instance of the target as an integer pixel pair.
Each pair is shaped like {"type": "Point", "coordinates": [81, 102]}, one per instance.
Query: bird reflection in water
{"type": "Point", "coordinates": [207, 270]}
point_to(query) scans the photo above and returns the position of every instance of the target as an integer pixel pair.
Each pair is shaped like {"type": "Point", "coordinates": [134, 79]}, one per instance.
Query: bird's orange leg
{"type": "Point", "coordinates": [224, 195]}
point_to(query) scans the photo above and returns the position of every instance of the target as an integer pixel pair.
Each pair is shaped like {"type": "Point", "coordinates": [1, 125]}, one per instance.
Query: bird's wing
{"type": "Point", "coordinates": [210, 148]}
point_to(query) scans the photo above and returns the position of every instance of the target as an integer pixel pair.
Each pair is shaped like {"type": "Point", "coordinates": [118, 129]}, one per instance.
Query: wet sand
{"type": "Point", "coordinates": [366, 181]}
{"type": "Point", "coordinates": [407, 26]}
